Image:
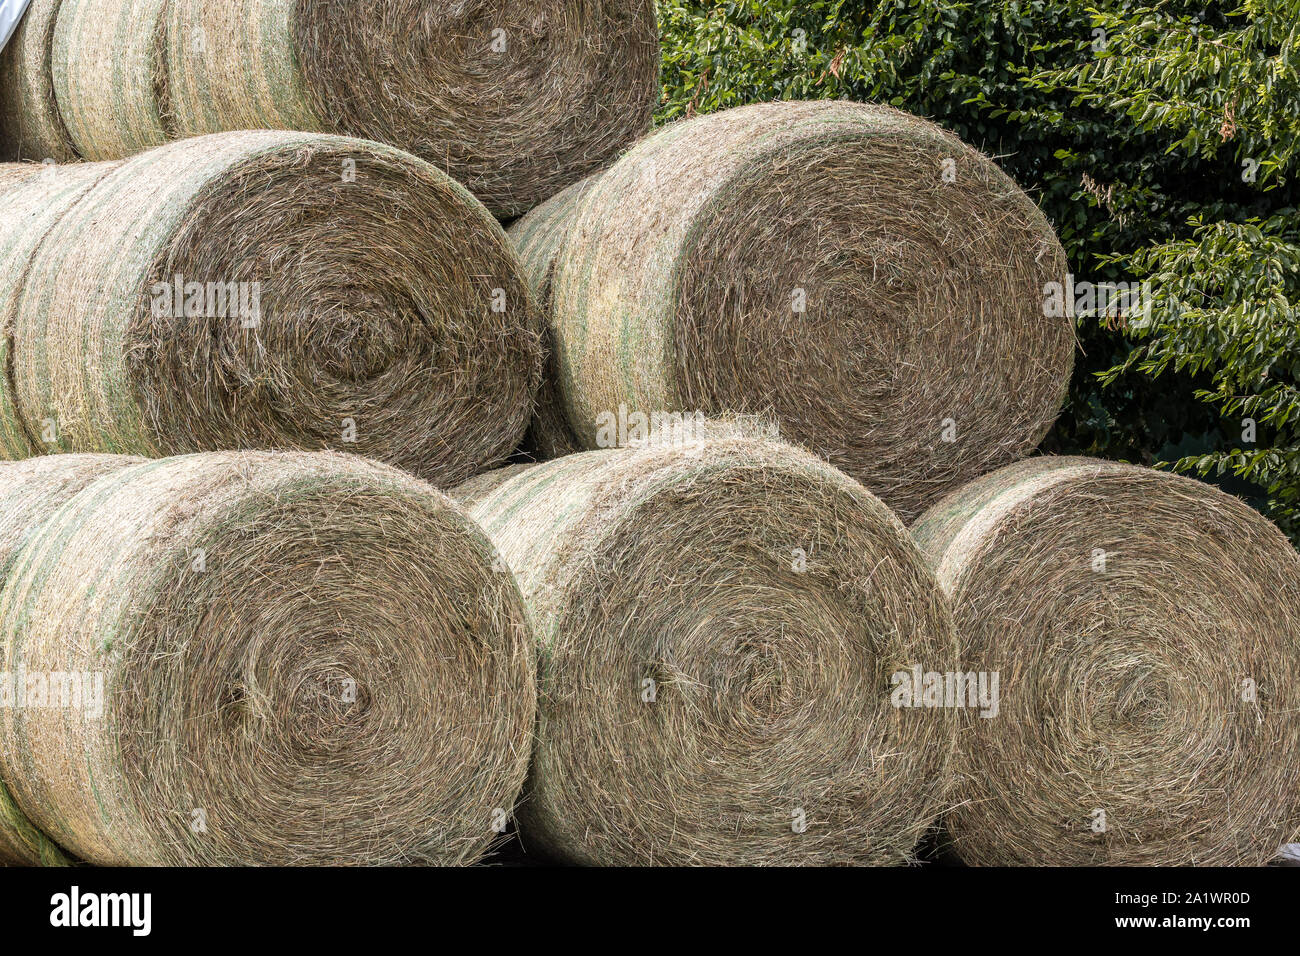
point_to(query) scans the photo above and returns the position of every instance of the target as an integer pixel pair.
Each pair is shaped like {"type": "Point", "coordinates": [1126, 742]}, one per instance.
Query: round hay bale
{"type": "Point", "coordinates": [306, 659]}
{"type": "Point", "coordinates": [32, 198]}
{"type": "Point", "coordinates": [1146, 628]}
{"type": "Point", "coordinates": [719, 621]}
{"type": "Point", "coordinates": [108, 67]}
{"type": "Point", "coordinates": [30, 126]}
{"type": "Point", "coordinates": [30, 493]}
{"type": "Point", "coordinates": [859, 273]}
{"type": "Point", "coordinates": [514, 99]}
{"type": "Point", "coordinates": [345, 295]}
{"type": "Point", "coordinates": [537, 238]}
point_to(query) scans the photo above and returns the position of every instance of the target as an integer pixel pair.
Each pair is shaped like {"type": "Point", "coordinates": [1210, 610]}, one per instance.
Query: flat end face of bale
{"type": "Point", "coordinates": [721, 623]}
{"type": "Point", "coordinates": [517, 103]}
{"type": "Point", "coordinates": [860, 274]}
{"type": "Point", "coordinates": [1145, 629]}
{"type": "Point", "coordinates": [311, 661]}
{"type": "Point", "coordinates": [288, 291]}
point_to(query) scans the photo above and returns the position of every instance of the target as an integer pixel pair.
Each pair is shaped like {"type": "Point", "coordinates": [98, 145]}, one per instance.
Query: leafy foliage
{"type": "Point", "coordinates": [1217, 84]}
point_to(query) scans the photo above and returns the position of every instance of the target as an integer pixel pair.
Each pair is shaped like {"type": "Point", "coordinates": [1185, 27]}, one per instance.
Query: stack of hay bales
{"type": "Point", "coordinates": [1151, 703]}
{"type": "Point", "coordinates": [719, 617]}
{"type": "Point", "coordinates": [859, 274]}
{"type": "Point", "coordinates": [303, 658]}
{"type": "Point", "coordinates": [262, 290]}
{"type": "Point", "coordinates": [309, 658]}
{"type": "Point", "coordinates": [514, 99]}
{"type": "Point", "coordinates": [1147, 632]}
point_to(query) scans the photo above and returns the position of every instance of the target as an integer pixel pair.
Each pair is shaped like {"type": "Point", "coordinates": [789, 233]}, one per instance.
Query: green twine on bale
{"type": "Point", "coordinates": [109, 81]}
{"type": "Point", "coordinates": [538, 238]}
{"type": "Point", "coordinates": [33, 199]}
{"type": "Point", "coordinates": [31, 492]}
{"type": "Point", "coordinates": [30, 125]}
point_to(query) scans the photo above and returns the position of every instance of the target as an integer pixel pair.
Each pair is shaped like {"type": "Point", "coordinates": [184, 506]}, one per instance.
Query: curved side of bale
{"type": "Point", "coordinates": [305, 659]}
{"type": "Point", "coordinates": [30, 126]}
{"type": "Point", "coordinates": [21, 844]}
{"type": "Point", "coordinates": [232, 65]}
{"type": "Point", "coordinates": [936, 531]}
{"type": "Point", "coordinates": [481, 486]}
{"type": "Point", "coordinates": [32, 200]}
{"type": "Point", "coordinates": [516, 100]}
{"type": "Point", "coordinates": [538, 238]}
{"type": "Point", "coordinates": [30, 493]}
{"type": "Point", "coordinates": [11, 174]}
{"type": "Point", "coordinates": [718, 625]}
{"type": "Point", "coordinates": [348, 296]}
{"type": "Point", "coordinates": [109, 75]}
{"type": "Point", "coordinates": [1145, 629]}
{"type": "Point", "coordinates": [857, 272]}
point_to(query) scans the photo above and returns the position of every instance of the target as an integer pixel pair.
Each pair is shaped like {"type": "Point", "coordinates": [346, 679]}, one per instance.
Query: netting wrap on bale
{"type": "Point", "coordinates": [269, 290]}
{"type": "Point", "coordinates": [109, 81]}
{"type": "Point", "coordinates": [538, 238]}
{"type": "Point", "coordinates": [514, 98]}
{"type": "Point", "coordinates": [859, 273]}
{"type": "Point", "coordinates": [719, 620]}
{"type": "Point", "coordinates": [30, 493]}
{"type": "Point", "coordinates": [305, 658]}
{"type": "Point", "coordinates": [32, 198]}
{"type": "Point", "coordinates": [30, 125]}
{"type": "Point", "coordinates": [1146, 628]}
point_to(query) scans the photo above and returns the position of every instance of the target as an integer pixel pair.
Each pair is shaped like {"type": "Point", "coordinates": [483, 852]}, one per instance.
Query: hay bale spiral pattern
{"type": "Point", "coordinates": [391, 318]}
{"type": "Point", "coordinates": [1124, 609]}
{"type": "Point", "coordinates": [307, 659]}
{"type": "Point", "coordinates": [673, 569]}
{"type": "Point", "coordinates": [859, 273]}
